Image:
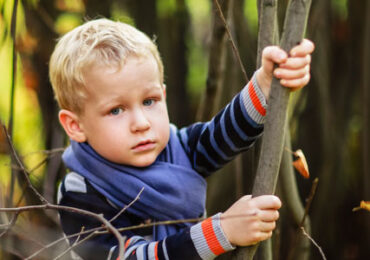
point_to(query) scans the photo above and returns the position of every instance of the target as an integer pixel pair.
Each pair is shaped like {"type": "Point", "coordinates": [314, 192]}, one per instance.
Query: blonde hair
{"type": "Point", "coordinates": [97, 42]}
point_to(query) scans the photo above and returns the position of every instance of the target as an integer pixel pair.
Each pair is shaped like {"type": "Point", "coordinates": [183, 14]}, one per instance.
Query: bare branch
{"type": "Point", "coordinates": [10, 225]}
{"type": "Point", "coordinates": [127, 206]}
{"type": "Point", "coordinates": [232, 42]}
{"type": "Point", "coordinates": [12, 90]}
{"type": "Point", "coordinates": [24, 171]}
{"type": "Point", "coordinates": [84, 232]}
{"type": "Point", "coordinates": [99, 217]}
{"type": "Point", "coordinates": [309, 199]}
{"type": "Point", "coordinates": [314, 242]}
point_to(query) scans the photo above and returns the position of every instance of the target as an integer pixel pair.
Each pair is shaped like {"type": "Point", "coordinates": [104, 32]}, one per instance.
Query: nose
{"type": "Point", "coordinates": [139, 121]}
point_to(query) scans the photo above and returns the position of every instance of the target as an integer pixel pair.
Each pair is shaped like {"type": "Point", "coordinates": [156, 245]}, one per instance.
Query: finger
{"type": "Point", "coordinates": [296, 62]}
{"type": "Point", "coordinates": [274, 54]}
{"type": "Point", "coordinates": [302, 49]}
{"type": "Point", "coordinates": [261, 236]}
{"type": "Point", "coordinates": [267, 202]}
{"type": "Point", "coordinates": [291, 74]}
{"type": "Point", "coordinates": [268, 215]}
{"type": "Point", "coordinates": [267, 226]}
{"type": "Point", "coordinates": [296, 84]}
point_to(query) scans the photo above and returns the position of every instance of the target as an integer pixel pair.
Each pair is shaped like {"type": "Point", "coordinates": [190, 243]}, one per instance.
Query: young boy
{"type": "Point", "coordinates": [108, 80]}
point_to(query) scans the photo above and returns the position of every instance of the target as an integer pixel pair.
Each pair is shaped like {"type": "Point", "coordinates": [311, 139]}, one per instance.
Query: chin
{"type": "Point", "coordinates": [144, 163]}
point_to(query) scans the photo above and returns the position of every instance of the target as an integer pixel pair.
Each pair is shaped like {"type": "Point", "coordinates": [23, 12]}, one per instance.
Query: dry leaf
{"type": "Point", "coordinates": [301, 164]}
{"type": "Point", "coordinates": [363, 205]}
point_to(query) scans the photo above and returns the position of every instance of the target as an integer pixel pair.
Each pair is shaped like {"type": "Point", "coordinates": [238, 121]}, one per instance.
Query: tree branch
{"type": "Point", "coordinates": [273, 140]}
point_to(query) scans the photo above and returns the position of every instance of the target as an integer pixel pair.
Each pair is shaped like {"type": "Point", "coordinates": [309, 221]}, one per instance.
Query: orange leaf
{"type": "Point", "coordinates": [365, 205]}
{"type": "Point", "coordinates": [301, 164]}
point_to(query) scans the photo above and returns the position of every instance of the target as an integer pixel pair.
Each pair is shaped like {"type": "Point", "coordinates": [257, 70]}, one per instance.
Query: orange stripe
{"type": "Point", "coordinates": [156, 251]}
{"type": "Point", "coordinates": [211, 238]}
{"type": "Point", "coordinates": [255, 100]}
{"type": "Point", "coordinates": [127, 242]}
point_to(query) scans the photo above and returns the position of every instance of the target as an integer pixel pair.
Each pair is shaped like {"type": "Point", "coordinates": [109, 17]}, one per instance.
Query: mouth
{"type": "Point", "coordinates": [144, 146]}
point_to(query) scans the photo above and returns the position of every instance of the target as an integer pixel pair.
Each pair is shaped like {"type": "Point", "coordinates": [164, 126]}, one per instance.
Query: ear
{"type": "Point", "coordinates": [71, 125]}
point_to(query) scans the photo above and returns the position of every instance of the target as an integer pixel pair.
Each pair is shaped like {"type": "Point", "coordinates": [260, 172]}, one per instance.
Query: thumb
{"type": "Point", "coordinates": [270, 56]}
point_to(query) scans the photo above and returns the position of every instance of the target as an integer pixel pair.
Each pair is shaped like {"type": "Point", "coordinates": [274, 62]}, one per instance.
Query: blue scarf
{"type": "Point", "coordinates": [172, 189]}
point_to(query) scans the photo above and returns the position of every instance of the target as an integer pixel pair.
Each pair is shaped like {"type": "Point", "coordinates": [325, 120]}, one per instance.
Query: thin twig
{"type": "Point", "coordinates": [314, 242]}
{"type": "Point", "coordinates": [47, 152]}
{"type": "Point", "coordinates": [24, 171]}
{"type": "Point", "coordinates": [127, 206]}
{"type": "Point", "coordinates": [84, 232]}
{"type": "Point", "coordinates": [232, 42]}
{"type": "Point", "coordinates": [309, 200]}
{"type": "Point", "coordinates": [13, 27]}
{"type": "Point", "coordinates": [75, 245]}
{"type": "Point", "coordinates": [9, 225]}
{"type": "Point", "coordinates": [99, 217]}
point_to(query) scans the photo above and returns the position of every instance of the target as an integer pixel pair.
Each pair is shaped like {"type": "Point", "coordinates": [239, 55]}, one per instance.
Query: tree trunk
{"type": "Point", "coordinates": [173, 30]}
{"type": "Point", "coordinates": [216, 64]}
{"type": "Point", "coordinates": [267, 35]}
{"type": "Point", "coordinates": [272, 143]}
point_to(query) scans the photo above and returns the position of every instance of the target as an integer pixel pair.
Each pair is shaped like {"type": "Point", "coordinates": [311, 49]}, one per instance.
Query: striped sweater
{"type": "Point", "coordinates": [209, 146]}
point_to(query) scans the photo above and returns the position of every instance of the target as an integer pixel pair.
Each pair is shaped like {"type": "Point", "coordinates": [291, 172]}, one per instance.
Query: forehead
{"type": "Point", "coordinates": [137, 73]}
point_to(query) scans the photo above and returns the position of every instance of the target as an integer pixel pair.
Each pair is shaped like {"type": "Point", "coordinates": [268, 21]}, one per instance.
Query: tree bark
{"type": "Point", "coordinates": [216, 64]}
{"type": "Point", "coordinates": [267, 35]}
{"type": "Point", "coordinates": [273, 140]}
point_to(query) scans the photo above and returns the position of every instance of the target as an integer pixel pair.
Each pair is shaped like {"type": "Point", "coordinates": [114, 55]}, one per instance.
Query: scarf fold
{"type": "Point", "coordinates": [172, 189]}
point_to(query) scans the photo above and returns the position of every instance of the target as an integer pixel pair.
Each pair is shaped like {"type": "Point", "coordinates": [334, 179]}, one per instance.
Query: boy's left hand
{"type": "Point", "coordinates": [293, 70]}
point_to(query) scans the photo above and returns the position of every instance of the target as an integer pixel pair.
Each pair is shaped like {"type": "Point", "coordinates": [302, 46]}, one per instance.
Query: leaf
{"type": "Point", "coordinates": [301, 164]}
{"type": "Point", "coordinates": [363, 205]}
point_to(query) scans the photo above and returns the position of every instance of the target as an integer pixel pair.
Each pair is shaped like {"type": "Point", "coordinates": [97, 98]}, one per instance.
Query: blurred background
{"type": "Point", "coordinates": [329, 122]}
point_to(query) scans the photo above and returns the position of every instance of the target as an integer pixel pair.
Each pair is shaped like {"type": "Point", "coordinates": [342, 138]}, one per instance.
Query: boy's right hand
{"type": "Point", "coordinates": [250, 220]}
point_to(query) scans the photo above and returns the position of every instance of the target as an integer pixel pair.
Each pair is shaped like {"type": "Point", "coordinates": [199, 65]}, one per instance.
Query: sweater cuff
{"type": "Point", "coordinates": [209, 239]}
{"type": "Point", "coordinates": [254, 101]}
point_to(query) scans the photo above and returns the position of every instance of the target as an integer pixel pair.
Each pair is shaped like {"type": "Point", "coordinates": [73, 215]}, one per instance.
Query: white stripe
{"type": "Point", "coordinates": [226, 245]}
{"type": "Point", "coordinates": [75, 182]}
{"type": "Point", "coordinates": [151, 254]}
{"type": "Point", "coordinates": [165, 249]}
{"type": "Point", "coordinates": [140, 252]}
{"type": "Point", "coordinates": [111, 252]}
{"type": "Point", "coordinates": [200, 243]}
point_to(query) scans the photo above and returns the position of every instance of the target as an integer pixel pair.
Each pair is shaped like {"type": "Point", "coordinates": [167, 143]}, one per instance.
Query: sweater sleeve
{"type": "Point", "coordinates": [212, 144]}
{"type": "Point", "coordinates": [204, 240]}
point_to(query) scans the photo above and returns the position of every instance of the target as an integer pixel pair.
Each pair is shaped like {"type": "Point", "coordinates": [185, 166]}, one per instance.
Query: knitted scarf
{"type": "Point", "coordinates": [172, 189]}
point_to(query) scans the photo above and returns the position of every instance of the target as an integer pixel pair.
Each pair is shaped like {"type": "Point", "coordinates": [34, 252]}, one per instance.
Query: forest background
{"type": "Point", "coordinates": [330, 122]}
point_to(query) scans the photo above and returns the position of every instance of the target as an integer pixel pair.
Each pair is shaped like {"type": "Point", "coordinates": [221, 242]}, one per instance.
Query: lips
{"type": "Point", "coordinates": [144, 146]}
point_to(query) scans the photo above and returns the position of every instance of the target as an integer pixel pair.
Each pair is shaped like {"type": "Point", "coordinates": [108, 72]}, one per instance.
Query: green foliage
{"type": "Point", "coordinates": [340, 8]}
{"type": "Point", "coordinates": [67, 21]}
{"type": "Point", "coordinates": [27, 118]}
{"type": "Point", "coordinates": [165, 7]}
{"type": "Point", "coordinates": [251, 14]}
{"type": "Point", "coordinates": [122, 15]}
{"type": "Point", "coordinates": [200, 12]}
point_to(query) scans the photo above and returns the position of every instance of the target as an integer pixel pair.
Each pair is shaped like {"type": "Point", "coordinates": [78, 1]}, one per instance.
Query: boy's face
{"type": "Point", "coordinates": [125, 117]}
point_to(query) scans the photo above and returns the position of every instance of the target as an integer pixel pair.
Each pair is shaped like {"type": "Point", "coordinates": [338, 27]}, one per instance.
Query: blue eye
{"type": "Point", "coordinates": [116, 111]}
{"type": "Point", "coordinates": [148, 102]}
